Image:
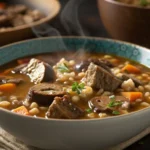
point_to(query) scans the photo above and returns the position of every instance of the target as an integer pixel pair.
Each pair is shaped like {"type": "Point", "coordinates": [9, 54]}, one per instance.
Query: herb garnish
{"type": "Point", "coordinates": [141, 143]}
{"type": "Point", "coordinates": [144, 2]}
{"type": "Point", "coordinates": [77, 87]}
{"type": "Point", "coordinates": [89, 110]}
{"type": "Point", "coordinates": [113, 102]}
{"type": "Point", "coordinates": [116, 112]}
{"type": "Point", "coordinates": [63, 68]}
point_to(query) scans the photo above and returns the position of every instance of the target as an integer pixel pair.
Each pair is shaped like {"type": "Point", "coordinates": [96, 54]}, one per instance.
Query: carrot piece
{"type": "Point", "coordinates": [131, 69]}
{"type": "Point", "coordinates": [22, 110]}
{"type": "Point", "coordinates": [7, 71]}
{"type": "Point", "coordinates": [2, 5]}
{"type": "Point", "coordinates": [8, 87]}
{"type": "Point", "coordinates": [132, 96]}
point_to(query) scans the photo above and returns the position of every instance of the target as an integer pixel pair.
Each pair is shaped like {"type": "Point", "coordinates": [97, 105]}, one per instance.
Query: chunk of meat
{"type": "Point", "coordinates": [4, 20]}
{"type": "Point", "coordinates": [44, 93]}
{"type": "Point", "coordinates": [104, 103]}
{"type": "Point", "coordinates": [9, 79]}
{"type": "Point", "coordinates": [16, 9]}
{"type": "Point", "coordinates": [39, 71]}
{"type": "Point", "coordinates": [17, 21]}
{"type": "Point", "coordinates": [62, 107]}
{"type": "Point", "coordinates": [125, 77]}
{"type": "Point", "coordinates": [99, 78]}
{"type": "Point", "coordinates": [100, 62]}
{"type": "Point", "coordinates": [35, 14]}
{"type": "Point", "coordinates": [19, 68]}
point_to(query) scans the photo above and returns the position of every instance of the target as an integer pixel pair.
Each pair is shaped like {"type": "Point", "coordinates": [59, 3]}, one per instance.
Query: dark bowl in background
{"type": "Point", "coordinates": [50, 8]}
{"type": "Point", "coordinates": [126, 22]}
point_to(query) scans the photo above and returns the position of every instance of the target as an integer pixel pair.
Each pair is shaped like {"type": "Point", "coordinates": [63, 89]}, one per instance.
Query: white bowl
{"type": "Point", "coordinates": [59, 134]}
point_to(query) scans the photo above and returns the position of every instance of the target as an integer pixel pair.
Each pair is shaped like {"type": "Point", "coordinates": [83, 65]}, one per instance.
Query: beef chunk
{"type": "Point", "coordinates": [16, 9]}
{"type": "Point", "coordinates": [13, 80]}
{"type": "Point", "coordinates": [39, 71]}
{"type": "Point", "coordinates": [4, 20]}
{"type": "Point", "coordinates": [100, 62]}
{"type": "Point", "coordinates": [97, 77]}
{"type": "Point", "coordinates": [137, 82]}
{"type": "Point", "coordinates": [105, 103]}
{"type": "Point", "coordinates": [44, 93]}
{"type": "Point", "coordinates": [35, 14]}
{"type": "Point", "coordinates": [62, 107]}
{"type": "Point", "coordinates": [7, 79]}
{"type": "Point", "coordinates": [19, 68]}
{"type": "Point", "coordinates": [17, 21]}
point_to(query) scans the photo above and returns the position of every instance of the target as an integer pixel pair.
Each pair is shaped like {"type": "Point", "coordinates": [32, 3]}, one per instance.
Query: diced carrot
{"type": "Point", "coordinates": [2, 5]}
{"type": "Point", "coordinates": [22, 110]}
{"type": "Point", "coordinates": [8, 87]}
{"type": "Point", "coordinates": [132, 96]}
{"type": "Point", "coordinates": [7, 71]}
{"type": "Point", "coordinates": [115, 61]}
{"type": "Point", "coordinates": [131, 69]}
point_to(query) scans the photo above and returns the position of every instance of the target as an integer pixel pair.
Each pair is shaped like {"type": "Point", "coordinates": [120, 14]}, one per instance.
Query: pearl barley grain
{"type": "Point", "coordinates": [4, 104]}
{"type": "Point", "coordinates": [75, 98]}
{"type": "Point", "coordinates": [34, 111]}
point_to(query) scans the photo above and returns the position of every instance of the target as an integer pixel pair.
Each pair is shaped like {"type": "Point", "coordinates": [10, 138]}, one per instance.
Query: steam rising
{"type": "Point", "coordinates": [69, 17]}
{"type": "Point", "coordinates": [45, 30]}
{"type": "Point", "coordinates": [70, 22]}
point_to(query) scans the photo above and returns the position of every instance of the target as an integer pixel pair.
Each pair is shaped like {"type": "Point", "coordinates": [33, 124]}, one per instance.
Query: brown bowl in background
{"type": "Point", "coordinates": [126, 22]}
{"type": "Point", "coordinates": [50, 8]}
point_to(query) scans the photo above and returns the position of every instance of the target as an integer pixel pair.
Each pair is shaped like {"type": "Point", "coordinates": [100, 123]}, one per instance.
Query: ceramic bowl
{"type": "Point", "coordinates": [49, 7]}
{"type": "Point", "coordinates": [126, 22]}
{"type": "Point", "coordinates": [59, 134]}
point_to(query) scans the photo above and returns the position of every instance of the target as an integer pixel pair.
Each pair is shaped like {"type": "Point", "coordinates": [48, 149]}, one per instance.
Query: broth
{"type": "Point", "coordinates": [71, 86]}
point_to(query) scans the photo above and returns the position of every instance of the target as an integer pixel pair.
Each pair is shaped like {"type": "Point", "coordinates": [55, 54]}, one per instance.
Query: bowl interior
{"type": "Point", "coordinates": [49, 7]}
{"type": "Point", "coordinates": [127, 5]}
{"type": "Point", "coordinates": [101, 45]}
{"type": "Point", "coordinates": [56, 130]}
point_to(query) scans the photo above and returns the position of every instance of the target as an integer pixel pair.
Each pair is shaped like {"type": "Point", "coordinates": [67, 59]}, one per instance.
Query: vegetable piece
{"type": "Point", "coordinates": [22, 110]}
{"type": "Point", "coordinates": [131, 69]}
{"type": "Point", "coordinates": [77, 87]}
{"type": "Point", "coordinates": [116, 112]}
{"type": "Point", "coordinates": [132, 96]}
{"type": "Point", "coordinates": [113, 102]}
{"type": "Point", "coordinates": [8, 87]}
{"type": "Point", "coordinates": [63, 68]}
{"type": "Point", "coordinates": [2, 5]}
{"type": "Point", "coordinates": [6, 72]}
{"type": "Point", "coordinates": [144, 2]}
{"type": "Point", "coordinates": [89, 110]}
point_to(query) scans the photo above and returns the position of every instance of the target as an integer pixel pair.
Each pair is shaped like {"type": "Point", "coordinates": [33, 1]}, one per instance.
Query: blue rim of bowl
{"type": "Point", "coordinates": [77, 120]}
{"type": "Point", "coordinates": [127, 5]}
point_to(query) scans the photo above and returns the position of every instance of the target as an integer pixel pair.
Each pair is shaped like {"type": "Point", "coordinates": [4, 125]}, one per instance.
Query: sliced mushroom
{"type": "Point", "coordinates": [44, 93]}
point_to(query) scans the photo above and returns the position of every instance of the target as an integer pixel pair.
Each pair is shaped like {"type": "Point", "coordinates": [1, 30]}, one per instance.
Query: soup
{"type": "Point", "coordinates": [136, 2]}
{"type": "Point", "coordinates": [70, 86]}
{"type": "Point", "coordinates": [17, 15]}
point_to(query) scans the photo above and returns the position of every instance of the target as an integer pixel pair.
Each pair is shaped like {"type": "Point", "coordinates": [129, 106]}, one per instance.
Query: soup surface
{"type": "Point", "coordinates": [136, 2]}
{"type": "Point", "coordinates": [71, 85]}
